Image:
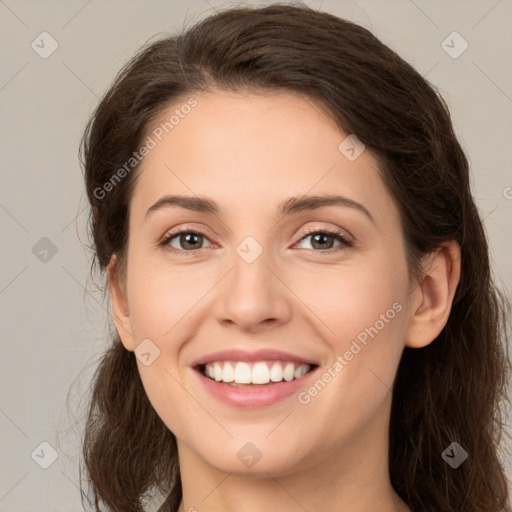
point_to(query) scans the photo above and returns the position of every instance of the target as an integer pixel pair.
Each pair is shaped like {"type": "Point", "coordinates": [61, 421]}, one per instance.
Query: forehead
{"type": "Point", "coordinates": [253, 150]}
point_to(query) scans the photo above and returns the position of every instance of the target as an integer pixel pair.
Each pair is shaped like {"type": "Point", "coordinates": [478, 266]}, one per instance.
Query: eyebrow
{"type": "Point", "coordinates": [287, 207]}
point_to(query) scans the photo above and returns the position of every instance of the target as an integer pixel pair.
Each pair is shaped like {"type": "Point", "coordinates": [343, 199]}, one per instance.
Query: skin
{"type": "Point", "coordinates": [249, 152]}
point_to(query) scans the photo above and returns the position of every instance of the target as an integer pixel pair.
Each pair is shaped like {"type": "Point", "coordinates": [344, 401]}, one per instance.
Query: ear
{"type": "Point", "coordinates": [120, 311]}
{"type": "Point", "coordinates": [432, 299]}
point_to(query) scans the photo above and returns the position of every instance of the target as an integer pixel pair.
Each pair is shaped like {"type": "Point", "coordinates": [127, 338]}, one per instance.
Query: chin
{"type": "Point", "coordinates": [252, 458]}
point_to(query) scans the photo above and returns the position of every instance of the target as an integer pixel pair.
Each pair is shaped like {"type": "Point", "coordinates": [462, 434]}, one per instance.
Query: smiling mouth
{"type": "Point", "coordinates": [254, 374]}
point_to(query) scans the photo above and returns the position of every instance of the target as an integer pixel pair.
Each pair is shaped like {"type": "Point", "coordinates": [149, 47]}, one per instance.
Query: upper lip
{"type": "Point", "coordinates": [249, 356]}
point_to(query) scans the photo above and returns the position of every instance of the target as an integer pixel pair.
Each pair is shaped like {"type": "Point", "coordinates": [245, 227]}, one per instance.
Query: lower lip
{"type": "Point", "coordinates": [257, 396]}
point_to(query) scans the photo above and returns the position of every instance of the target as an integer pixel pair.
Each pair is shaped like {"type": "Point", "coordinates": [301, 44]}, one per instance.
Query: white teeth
{"type": "Point", "coordinates": [228, 373]}
{"type": "Point", "coordinates": [288, 371]}
{"type": "Point", "coordinates": [300, 371]}
{"type": "Point", "coordinates": [217, 371]}
{"type": "Point", "coordinates": [260, 372]}
{"type": "Point", "coordinates": [276, 373]}
{"type": "Point", "coordinates": [242, 373]}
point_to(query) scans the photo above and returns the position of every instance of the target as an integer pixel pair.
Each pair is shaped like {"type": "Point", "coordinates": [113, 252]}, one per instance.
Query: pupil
{"type": "Point", "coordinates": [187, 238]}
{"type": "Point", "coordinates": [315, 238]}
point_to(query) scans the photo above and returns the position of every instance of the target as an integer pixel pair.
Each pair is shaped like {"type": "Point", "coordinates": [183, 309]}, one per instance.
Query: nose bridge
{"type": "Point", "coordinates": [252, 293]}
{"type": "Point", "coordinates": [250, 281]}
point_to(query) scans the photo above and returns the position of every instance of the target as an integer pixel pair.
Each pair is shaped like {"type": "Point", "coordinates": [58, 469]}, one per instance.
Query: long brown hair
{"type": "Point", "coordinates": [453, 389]}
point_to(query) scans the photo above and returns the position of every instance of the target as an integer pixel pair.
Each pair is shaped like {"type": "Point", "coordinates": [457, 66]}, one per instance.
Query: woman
{"type": "Point", "coordinates": [300, 282]}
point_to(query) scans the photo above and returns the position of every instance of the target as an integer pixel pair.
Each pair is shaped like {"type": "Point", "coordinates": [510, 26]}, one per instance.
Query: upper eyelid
{"type": "Point", "coordinates": [310, 230]}
{"type": "Point", "coordinates": [187, 229]}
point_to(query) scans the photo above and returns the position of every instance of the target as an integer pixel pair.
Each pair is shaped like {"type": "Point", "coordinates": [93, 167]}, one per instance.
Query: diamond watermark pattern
{"type": "Point", "coordinates": [44, 45]}
{"type": "Point", "coordinates": [249, 250]}
{"type": "Point", "coordinates": [249, 455]}
{"type": "Point", "coordinates": [454, 45]}
{"type": "Point", "coordinates": [146, 352]}
{"type": "Point", "coordinates": [454, 455]}
{"type": "Point", "coordinates": [351, 147]}
{"type": "Point", "coordinates": [44, 250]}
{"type": "Point", "coordinates": [44, 455]}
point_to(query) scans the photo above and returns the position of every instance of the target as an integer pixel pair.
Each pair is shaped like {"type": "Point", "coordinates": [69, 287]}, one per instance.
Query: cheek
{"type": "Point", "coordinates": [351, 300]}
{"type": "Point", "coordinates": [162, 298]}
{"type": "Point", "coordinates": [162, 307]}
{"type": "Point", "coordinates": [363, 316]}
{"type": "Point", "coordinates": [362, 312]}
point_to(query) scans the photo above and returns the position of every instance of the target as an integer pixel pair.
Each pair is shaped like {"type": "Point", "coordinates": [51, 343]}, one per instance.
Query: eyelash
{"type": "Point", "coordinates": [336, 233]}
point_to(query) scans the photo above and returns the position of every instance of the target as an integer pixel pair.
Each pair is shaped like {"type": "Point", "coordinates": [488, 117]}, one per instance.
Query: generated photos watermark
{"type": "Point", "coordinates": [305, 397]}
{"type": "Point", "coordinates": [149, 144]}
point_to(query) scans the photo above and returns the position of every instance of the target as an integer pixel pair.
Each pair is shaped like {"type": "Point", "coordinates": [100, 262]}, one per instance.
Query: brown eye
{"type": "Point", "coordinates": [184, 241]}
{"type": "Point", "coordinates": [323, 240]}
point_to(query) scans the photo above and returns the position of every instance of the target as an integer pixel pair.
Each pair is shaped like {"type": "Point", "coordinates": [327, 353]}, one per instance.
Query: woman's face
{"type": "Point", "coordinates": [260, 275]}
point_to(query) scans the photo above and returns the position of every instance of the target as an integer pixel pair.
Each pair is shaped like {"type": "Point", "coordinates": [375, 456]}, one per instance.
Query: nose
{"type": "Point", "coordinates": [253, 295]}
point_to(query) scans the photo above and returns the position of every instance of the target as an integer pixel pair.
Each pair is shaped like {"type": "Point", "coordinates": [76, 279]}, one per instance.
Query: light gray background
{"type": "Point", "coordinates": [53, 320]}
